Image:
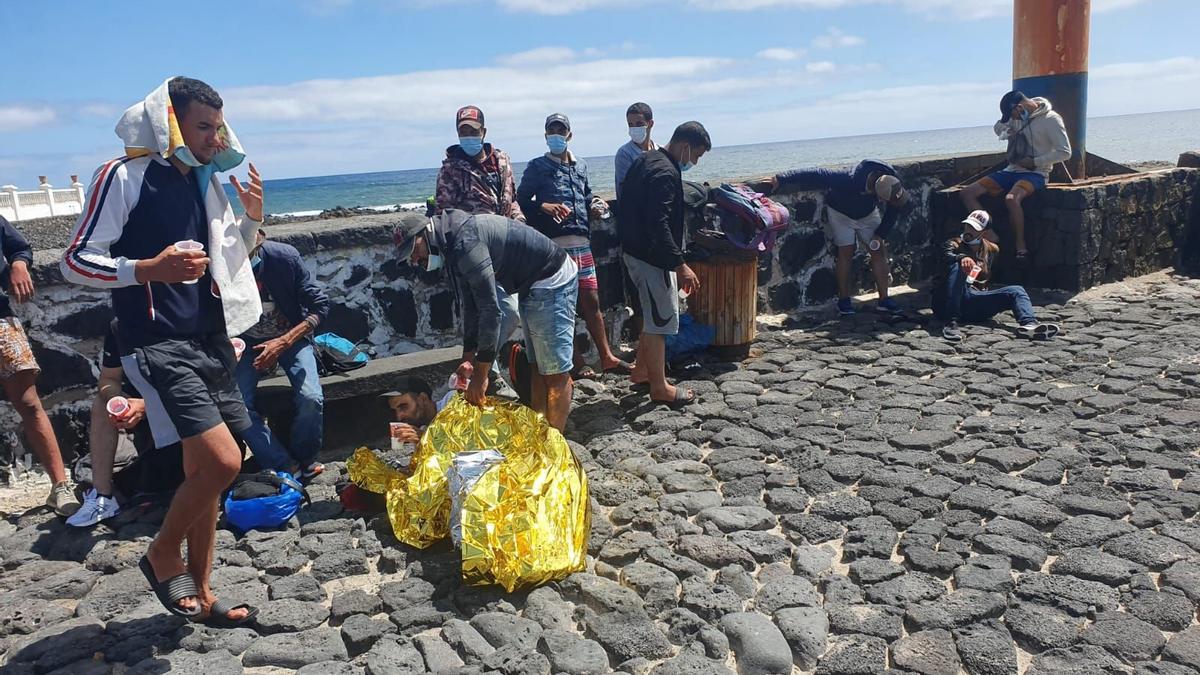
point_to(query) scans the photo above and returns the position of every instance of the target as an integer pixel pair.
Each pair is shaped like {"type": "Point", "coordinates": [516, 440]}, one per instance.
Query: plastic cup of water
{"type": "Point", "coordinates": [189, 245]}
{"type": "Point", "coordinates": [117, 407]}
{"type": "Point", "coordinates": [239, 346]}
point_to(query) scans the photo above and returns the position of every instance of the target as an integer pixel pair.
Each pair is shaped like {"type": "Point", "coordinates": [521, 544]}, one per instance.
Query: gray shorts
{"type": "Point", "coordinates": [658, 292]}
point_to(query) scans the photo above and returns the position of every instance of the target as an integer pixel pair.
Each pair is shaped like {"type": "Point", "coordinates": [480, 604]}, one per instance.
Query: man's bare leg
{"type": "Point", "coordinates": [845, 256]}
{"type": "Point", "coordinates": [1016, 216]}
{"type": "Point", "coordinates": [201, 539]}
{"type": "Point", "coordinates": [639, 375]}
{"type": "Point", "coordinates": [589, 309]}
{"type": "Point", "coordinates": [21, 391]}
{"type": "Point", "coordinates": [880, 270]}
{"type": "Point", "coordinates": [970, 196]}
{"type": "Point", "coordinates": [211, 461]}
{"type": "Point", "coordinates": [102, 445]}
{"type": "Point", "coordinates": [537, 391]}
{"type": "Point", "coordinates": [655, 358]}
{"type": "Point", "coordinates": [558, 399]}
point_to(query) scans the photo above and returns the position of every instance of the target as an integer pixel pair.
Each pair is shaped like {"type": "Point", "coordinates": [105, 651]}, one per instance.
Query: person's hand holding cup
{"type": "Point", "coordinates": [190, 245]}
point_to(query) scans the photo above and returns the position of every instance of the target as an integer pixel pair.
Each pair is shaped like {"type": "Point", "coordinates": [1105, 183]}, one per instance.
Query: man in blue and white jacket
{"type": "Point", "coordinates": [177, 308]}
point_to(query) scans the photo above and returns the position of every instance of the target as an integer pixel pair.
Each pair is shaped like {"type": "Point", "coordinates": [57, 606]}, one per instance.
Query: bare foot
{"type": "Point", "coordinates": [166, 566]}
{"type": "Point", "coordinates": [207, 600]}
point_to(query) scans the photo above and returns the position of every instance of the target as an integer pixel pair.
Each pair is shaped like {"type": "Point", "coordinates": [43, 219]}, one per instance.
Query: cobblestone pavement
{"type": "Point", "coordinates": [856, 498]}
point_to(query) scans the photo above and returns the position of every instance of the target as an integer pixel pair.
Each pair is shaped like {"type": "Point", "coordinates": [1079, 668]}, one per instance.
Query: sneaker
{"type": "Point", "coordinates": [951, 333]}
{"type": "Point", "coordinates": [888, 306]}
{"type": "Point", "coordinates": [845, 307]}
{"type": "Point", "coordinates": [62, 499]}
{"type": "Point", "coordinates": [95, 509]}
{"type": "Point", "coordinates": [1038, 331]}
{"type": "Point", "coordinates": [312, 471]}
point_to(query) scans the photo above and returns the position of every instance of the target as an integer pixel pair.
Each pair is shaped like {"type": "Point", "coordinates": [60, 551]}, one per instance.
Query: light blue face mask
{"type": "Point", "coordinates": [638, 134]}
{"type": "Point", "coordinates": [434, 262]}
{"type": "Point", "coordinates": [684, 167]}
{"type": "Point", "coordinates": [556, 143]}
{"type": "Point", "coordinates": [1024, 114]}
{"type": "Point", "coordinates": [472, 145]}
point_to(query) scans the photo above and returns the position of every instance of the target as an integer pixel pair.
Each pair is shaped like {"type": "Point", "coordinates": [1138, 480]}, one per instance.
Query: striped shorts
{"type": "Point", "coordinates": [580, 250]}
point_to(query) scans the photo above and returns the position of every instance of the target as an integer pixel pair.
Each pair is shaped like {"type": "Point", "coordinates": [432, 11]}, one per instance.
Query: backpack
{"type": "Point", "coordinates": [263, 500]}
{"type": "Point", "coordinates": [750, 220]}
{"type": "Point", "coordinates": [336, 354]}
{"type": "Point", "coordinates": [520, 372]}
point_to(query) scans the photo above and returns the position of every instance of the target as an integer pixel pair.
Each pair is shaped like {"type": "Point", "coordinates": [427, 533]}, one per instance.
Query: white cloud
{"type": "Point", "coordinates": [542, 56]}
{"type": "Point", "coordinates": [559, 7]}
{"type": "Point", "coordinates": [781, 54]}
{"type": "Point", "coordinates": [820, 67]}
{"type": "Point", "coordinates": [834, 37]}
{"type": "Point", "coordinates": [20, 117]}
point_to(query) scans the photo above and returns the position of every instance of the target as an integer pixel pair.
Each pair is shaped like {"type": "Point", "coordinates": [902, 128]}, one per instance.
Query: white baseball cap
{"type": "Point", "coordinates": [978, 220]}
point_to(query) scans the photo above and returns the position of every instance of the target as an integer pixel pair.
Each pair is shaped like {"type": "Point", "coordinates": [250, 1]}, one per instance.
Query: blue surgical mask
{"type": "Point", "coordinates": [255, 260]}
{"type": "Point", "coordinates": [975, 242]}
{"type": "Point", "coordinates": [434, 262]}
{"type": "Point", "coordinates": [472, 145]}
{"type": "Point", "coordinates": [684, 167]}
{"type": "Point", "coordinates": [556, 143]}
{"type": "Point", "coordinates": [638, 134]}
{"type": "Point", "coordinates": [1024, 114]}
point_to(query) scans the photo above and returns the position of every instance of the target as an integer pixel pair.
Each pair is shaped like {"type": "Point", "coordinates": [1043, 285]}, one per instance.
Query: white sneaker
{"type": "Point", "coordinates": [95, 509]}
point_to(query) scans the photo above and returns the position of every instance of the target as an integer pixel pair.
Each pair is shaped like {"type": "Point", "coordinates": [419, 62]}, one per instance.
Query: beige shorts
{"type": "Point", "coordinates": [15, 353]}
{"type": "Point", "coordinates": [844, 230]}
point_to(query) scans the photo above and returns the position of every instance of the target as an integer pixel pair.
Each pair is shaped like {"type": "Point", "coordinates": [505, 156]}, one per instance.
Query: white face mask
{"type": "Point", "coordinates": [434, 262]}
{"type": "Point", "coordinates": [638, 134]}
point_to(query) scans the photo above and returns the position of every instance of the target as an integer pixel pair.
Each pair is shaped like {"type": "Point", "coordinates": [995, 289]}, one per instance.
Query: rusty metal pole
{"type": "Point", "coordinates": [1050, 59]}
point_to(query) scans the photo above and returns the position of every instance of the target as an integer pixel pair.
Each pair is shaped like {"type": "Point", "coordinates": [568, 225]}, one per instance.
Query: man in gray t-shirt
{"type": "Point", "coordinates": [641, 120]}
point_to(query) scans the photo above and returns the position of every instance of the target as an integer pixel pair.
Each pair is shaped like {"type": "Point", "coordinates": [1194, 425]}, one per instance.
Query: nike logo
{"type": "Point", "coordinates": [654, 315]}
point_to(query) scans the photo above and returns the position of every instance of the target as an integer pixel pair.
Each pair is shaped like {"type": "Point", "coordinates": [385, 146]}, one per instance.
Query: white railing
{"type": "Point", "coordinates": [44, 202]}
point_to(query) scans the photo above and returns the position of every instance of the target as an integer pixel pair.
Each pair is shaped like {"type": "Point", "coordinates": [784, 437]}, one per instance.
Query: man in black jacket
{"type": "Point", "coordinates": [650, 224]}
{"type": "Point", "coordinates": [293, 306]}
{"type": "Point", "coordinates": [19, 369]}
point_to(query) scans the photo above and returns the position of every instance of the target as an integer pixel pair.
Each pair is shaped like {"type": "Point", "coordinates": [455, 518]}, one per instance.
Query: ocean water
{"type": "Point", "coordinates": [1127, 138]}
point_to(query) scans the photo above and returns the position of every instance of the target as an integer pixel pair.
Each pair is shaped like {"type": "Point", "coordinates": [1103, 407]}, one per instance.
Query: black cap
{"type": "Point", "coordinates": [560, 118]}
{"type": "Point", "coordinates": [1008, 102]}
{"type": "Point", "coordinates": [469, 114]}
{"type": "Point", "coordinates": [405, 233]}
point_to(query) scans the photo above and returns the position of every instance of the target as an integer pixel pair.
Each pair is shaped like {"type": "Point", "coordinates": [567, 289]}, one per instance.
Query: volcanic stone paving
{"type": "Point", "coordinates": [856, 498]}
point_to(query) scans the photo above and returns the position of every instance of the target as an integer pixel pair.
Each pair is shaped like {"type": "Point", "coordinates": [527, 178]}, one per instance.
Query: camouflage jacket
{"type": "Point", "coordinates": [463, 184]}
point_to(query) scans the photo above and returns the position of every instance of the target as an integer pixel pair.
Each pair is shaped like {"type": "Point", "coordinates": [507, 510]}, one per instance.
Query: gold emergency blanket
{"type": "Point", "coordinates": [524, 522]}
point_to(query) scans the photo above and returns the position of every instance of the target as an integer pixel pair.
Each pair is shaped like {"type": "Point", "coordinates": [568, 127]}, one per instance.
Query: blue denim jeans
{"type": "Point", "coordinates": [548, 317]}
{"type": "Point", "coordinates": [300, 364]}
{"type": "Point", "coordinates": [964, 303]}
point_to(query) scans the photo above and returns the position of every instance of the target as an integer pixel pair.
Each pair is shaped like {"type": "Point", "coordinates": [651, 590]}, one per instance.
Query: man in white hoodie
{"type": "Point", "coordinates": [1037, 140]}
{"type": "Point", "coordinates": [176, 307]}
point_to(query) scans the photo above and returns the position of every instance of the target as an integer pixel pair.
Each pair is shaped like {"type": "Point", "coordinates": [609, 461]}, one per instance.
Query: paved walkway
{"type": "Point", "coordinates": [856, 498]}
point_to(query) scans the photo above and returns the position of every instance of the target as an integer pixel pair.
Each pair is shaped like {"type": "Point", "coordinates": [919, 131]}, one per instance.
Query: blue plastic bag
{"type": "Point", "coordinates": [692, 338]}
{"type": "Point", "coordinates": [266, 512]}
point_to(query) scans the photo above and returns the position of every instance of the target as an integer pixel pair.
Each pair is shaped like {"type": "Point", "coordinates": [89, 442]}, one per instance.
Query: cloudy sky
{"type": "Point", "coordinates": [316, 87]}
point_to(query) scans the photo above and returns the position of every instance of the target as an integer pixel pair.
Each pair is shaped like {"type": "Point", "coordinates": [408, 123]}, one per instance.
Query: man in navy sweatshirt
{"type": "Point", "coordinates": [852, 211]}
{"type": "Point", "coordinates": [176, 309]}
{"type": "Point", "coordinates": [19, 369]}
{"type": "Point", "coordinates": [294, 304]}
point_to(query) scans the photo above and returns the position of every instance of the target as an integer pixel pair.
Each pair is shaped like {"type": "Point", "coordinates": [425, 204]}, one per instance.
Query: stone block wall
{"type": "Point", "coordinates": [1094, 232]}
{"type": "Point", "coordinates": [1097, 232]}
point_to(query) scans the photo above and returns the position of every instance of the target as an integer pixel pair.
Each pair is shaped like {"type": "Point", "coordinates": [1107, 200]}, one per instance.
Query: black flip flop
{"type": "Point", "coordinates": [621, 368]}
{"type": "Point", "coordinates": [171, 591]}
{"type": "Point", "coordinates": [682, 397]}
{"type": "Point", "coordinates": [218, 615]}
{"type": "Point", "coordinates": [583, 373]}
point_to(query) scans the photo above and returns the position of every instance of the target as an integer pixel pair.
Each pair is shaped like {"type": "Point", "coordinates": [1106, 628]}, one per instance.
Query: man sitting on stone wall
{"type": "Point", "coordinates": [480, 251]}
{"type": "Point", "coordinates": [960, 293]}
{"type": "Point", "coordinates": [852, 213]}
{"type": "Point", "coordinates": [1037, 140]}
{"type": "Point", "coordinates": [122, 434]}
{"type": "Point", "coordinates": [294, 304]}
{"type": "Point", "coordinates": [19, 369]}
